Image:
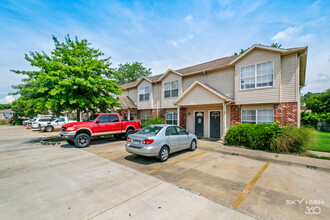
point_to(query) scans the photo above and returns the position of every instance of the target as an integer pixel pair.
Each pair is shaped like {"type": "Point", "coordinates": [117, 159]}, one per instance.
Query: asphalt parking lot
{"type": "Point", "coordinates": [104, 181]}
{"type": "Point", "coordinates": [223, 178]}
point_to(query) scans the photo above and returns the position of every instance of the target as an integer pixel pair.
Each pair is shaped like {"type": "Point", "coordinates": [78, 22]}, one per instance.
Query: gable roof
{"type": "Point", "coordinates": [207, 87]}
{"type": "Point", "coordinates": [227, 62]}
{"type": "Point", "coordinates": [127, 101]}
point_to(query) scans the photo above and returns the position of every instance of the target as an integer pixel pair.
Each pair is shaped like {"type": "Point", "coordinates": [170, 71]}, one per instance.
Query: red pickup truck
{"type": "Point", "coordinates": [101, 124]}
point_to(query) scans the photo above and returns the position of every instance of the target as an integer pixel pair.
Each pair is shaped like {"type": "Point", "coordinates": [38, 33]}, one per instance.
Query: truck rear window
{"type": "Point", "coordinates": [91, 118]}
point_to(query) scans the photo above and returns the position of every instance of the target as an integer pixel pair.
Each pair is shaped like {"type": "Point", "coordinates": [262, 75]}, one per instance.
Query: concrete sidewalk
{"type": "Point", "coordinates": [54, 182]}
{"type": "Point", "coordinates": [281, 158]}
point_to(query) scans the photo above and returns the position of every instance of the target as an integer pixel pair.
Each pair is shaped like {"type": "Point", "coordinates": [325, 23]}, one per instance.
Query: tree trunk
{"type": "Point", "coordinates": [78, 114]}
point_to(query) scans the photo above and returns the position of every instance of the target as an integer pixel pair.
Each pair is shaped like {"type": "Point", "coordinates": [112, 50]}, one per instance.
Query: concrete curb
{"type": "Point", "coordinates": [284, 159]}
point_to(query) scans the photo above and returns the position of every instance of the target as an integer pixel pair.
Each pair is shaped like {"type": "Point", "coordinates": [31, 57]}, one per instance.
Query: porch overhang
{"type": "Point", "coordinates": [126, 102]}
{"type": "Point", "coordinates": [202, 94]}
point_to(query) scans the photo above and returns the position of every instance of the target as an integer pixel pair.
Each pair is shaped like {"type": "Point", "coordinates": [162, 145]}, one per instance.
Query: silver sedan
{"type": "Point", "coordinates": [160, 140]}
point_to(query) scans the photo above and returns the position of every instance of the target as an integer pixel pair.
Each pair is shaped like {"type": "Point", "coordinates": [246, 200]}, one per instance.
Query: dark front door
{"type": "Point", "coordinates": [215, 124]}
{"type": "Point", "coordinates": [199, 124]}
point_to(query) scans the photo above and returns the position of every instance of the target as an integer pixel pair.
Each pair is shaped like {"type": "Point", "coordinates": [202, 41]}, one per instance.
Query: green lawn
{"type": "Point", "coordinates": [322, 142]}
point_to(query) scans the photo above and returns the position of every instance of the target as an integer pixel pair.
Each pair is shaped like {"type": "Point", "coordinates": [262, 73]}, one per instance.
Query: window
{"type": "Point", "coordinates": [144, 93]}
{"type": "Point", "coordinates": [257, 116]}
{"type": "Point", "coordinates": [171, 89]}
{"type": "Point", "coordinates": [113, 118]}
{"type": "Point", "coordinates": [145, 116]}
{"type": "Point", "coordinates": [170, 131]}
{"type": "Point", "coordinates": [180, 131]}
{"type": "Point", "coordinates": [257, 76]}
{"type": "Point", "coordinates": [104, 119]}
{"type": "Point", "coordinates": [171, 118]}
{"type": "Point", "coordinates": [61, 120]}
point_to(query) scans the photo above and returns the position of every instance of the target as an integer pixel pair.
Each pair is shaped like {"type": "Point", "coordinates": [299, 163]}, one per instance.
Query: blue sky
{"type": "Point", "coordinates": [165, 34]}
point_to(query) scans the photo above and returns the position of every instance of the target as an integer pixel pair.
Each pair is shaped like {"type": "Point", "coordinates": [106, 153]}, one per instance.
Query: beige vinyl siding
{"type": "Point", "coordinates": [168, 102]}
{"type": "Point", "coordinates": [144, 104]}
{"type": "Point", "coordinates": [258, 107]}
{"type": "Point", "coordinates": [132, 93]}
{"type": "Point", "coordinates": [156, 95]}
{"type": "Point", "coordinates": [125, 93]}
{"type": "Point", "coordinates": [289, 78]}
{"type": "Point", "coordinates": [258, 95]}
{"type": "Point", "coordinates": [189, 80]}
{"type": "Point", "coordinates": [200, 96]}
{"type": "Point", "coordinates": [222, 80]}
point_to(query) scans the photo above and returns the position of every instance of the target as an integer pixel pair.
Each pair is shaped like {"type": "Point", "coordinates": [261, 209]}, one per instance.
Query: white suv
{"type": "Point", "coordinates": [40, 122]}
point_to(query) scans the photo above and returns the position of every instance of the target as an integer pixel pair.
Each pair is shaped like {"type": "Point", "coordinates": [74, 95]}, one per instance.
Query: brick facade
{"type": "Point", "coordinates": [235, 115]}
{"type": "Point", "coordinates": [161, 112]}
{"type": "Point", "coordinates": [286, 113]}
{"type": "Point", "coordinates": [183, 118]}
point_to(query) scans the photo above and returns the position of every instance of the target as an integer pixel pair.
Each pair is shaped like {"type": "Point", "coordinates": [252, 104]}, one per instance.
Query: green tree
{"type": "Point", "coordinates": [5, 106]}
{"type": "Point", "coordinates": [73, 78]}
{"type": "Point", "coordinates": [276, 45]}
{"type": "Point", "coordinates": [129, 72]}
{"type": "Point", "coordinates": [319, 103]}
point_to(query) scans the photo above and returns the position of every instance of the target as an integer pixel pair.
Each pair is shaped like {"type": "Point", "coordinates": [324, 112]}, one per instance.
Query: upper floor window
{"type": "Point", "coordinates": [257, 76]}
{"type": "Point", "coordinates": [171, 89]}
{"type": "Point", "coordinates": [257, 116]}
{"type": "Point", "coordinates": [144, 93]}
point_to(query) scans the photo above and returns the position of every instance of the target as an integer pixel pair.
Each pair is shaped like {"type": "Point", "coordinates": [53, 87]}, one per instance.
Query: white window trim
{"type": "Point", "coordinates": [171, 97]}
{"type": "Point", "coordinates": [255, 77]}
{"type": "Point", "coordinates": [144, 89]}
{"type": "Point", "coordinates": [172, 117]}
{"type": "Point", "coordinates": [256, 110]}
{"type": "Point", "coordinates": [145, 118]}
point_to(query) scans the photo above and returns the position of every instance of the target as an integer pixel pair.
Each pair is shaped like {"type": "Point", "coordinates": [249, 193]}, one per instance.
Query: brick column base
{"type": "Point", "coordinates": [286, 113]}
{"type": "Point", "coordinates": [235, 115]}
{"type": "Point", "coordinates": [183, 118]}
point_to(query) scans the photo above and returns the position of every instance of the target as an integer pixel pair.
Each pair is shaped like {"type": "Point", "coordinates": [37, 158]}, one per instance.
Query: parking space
{"type": "Point", "coordinates": [256, 188]}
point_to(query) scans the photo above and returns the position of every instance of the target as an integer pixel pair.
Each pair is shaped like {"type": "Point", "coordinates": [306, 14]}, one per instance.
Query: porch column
{"type": "Point", "coordinates": [224, 119]}
{"type": "Point", "coordinates": [178, 115]}
{"type": "Point", "coordinates": [128, 114]}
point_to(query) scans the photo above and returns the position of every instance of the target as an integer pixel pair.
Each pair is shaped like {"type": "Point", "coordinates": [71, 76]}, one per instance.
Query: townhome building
{"type": "Point", "coordinates": [262, 85]}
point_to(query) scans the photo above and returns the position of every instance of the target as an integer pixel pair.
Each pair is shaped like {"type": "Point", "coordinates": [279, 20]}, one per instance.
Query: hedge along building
{"type": "Point", "coordinates": [261, 85]}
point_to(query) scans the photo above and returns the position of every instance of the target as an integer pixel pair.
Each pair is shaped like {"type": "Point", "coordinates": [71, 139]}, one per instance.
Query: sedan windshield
{"type": "Point", "coordinates": [150, 130]}
{"type": "Point", "coordinates": [92, 118]}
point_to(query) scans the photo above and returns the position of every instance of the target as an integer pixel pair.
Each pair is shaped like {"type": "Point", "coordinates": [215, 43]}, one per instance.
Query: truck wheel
{"type": "Point", "coordinates": [128, 132]}
{"type": "Point", "coordinates": [70, 142]}
{"type": "Point", "coordinates": [82, 140]}
{"type": "Point", "coordinates": [49, 128]}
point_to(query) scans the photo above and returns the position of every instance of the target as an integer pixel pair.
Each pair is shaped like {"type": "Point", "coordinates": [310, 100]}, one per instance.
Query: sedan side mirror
{"type": "Point", "coordinates": [97, 121]}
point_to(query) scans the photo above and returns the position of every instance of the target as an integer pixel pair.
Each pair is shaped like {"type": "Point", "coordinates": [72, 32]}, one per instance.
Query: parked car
{"type": "Point", "coordinates": [57, 123]}
{"type": "Point", "coordinates": [101, 124]}
{"type": "Point", "coordinates": [160, 140]}
{"type": "Point", "coordinates": [29, 121]}
{"type": "Point", "coordinates": [40, 122]}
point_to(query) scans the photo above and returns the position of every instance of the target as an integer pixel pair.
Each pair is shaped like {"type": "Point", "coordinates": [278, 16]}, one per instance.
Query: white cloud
{"type": "Point", "coordinates": [7, 100]}
{"type": "Point", "coordinates": [188, 19]}
{"type": "Point", "coordinates": [291, 35]}
{"type": "Point", "coordinates": [176, 43]}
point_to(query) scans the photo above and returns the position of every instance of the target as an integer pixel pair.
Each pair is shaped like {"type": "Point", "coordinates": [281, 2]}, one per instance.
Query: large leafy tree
{"type": "Point", "coordinates": [129, 72]}
{"type": "Point", "coordinates": [74, 77]}
{"type": "Point", "coordinates": [319, 103]}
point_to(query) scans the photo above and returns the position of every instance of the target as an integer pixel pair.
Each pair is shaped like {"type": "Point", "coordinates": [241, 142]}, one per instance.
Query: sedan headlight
{"type": "Point", "coordinates": [70, 129]}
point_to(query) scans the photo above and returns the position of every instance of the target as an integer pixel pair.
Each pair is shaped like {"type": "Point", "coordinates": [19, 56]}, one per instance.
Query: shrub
{"type": "Point", "coordinates": [293, 140]}
{"type": "Point", "coordinates": [153, 121]}
{"type": "Point", "coordinates": [254, 136]}
{"type": "Point", "coordinates": [311, 118]}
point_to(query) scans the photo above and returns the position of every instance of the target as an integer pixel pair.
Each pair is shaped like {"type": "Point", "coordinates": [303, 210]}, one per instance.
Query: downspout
{"type": "Point", "coordinates": [298, 89]}
{"type": "Point", "coordinates": [205, 78]}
